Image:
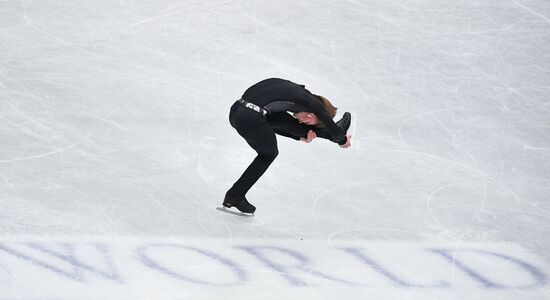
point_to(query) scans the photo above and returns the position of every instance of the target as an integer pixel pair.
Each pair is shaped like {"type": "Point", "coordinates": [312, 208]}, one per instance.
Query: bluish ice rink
{"type": "Point", "coordinates": [115, 150]}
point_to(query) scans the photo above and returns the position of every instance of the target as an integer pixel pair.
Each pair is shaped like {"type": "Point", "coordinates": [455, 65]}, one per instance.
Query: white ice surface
{"type": "Point", "coordinates": [113, 127]}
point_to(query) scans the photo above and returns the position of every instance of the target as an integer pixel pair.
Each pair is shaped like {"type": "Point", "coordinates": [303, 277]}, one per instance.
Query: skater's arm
{"type": "Point", "coordinates": [285, 125]}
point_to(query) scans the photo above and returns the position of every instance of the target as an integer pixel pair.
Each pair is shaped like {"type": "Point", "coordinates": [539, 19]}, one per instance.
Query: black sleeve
{"type": "Point", "coordinates": [286, 125]}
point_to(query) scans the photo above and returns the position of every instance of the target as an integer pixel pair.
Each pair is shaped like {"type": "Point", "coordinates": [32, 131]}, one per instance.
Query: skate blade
{"type": "Point", "coordinates": [237, 213]}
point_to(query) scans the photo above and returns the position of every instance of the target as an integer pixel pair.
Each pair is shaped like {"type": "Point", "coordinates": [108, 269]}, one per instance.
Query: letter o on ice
{"type": "Point", "coordinates": [163, 257]}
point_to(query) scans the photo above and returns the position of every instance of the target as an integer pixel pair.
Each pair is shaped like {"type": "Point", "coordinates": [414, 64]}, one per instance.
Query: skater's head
{"type": "Point", "coordinates": [329, 108]}
{"type": "Point", "coordinates": [306, 118]}
{"type": "Point", "coordinates": [311, 118]}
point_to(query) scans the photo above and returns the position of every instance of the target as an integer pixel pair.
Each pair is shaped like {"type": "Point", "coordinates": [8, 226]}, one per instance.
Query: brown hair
{"type": "Point", "coordinates": [329, 108]}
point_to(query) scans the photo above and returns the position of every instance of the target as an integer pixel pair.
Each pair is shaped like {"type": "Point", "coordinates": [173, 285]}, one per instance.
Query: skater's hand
{"type": "Point", "coordinates": [310, 136]}
{"type": "Point", "coordinates": [348, 142]}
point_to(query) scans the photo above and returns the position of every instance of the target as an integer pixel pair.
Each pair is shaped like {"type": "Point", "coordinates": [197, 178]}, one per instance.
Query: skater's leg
{"type": "Point", "coordinates": [343, 123]}
{"type": "Point", "coordinates": [257, 133]}
{"type": "Point", "coordinates": [263, 140]}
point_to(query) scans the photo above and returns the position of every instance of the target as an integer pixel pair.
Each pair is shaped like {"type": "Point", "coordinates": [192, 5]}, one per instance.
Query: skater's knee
{"type": "Point", "coordinates": [270, 154]}
{"type": "Point", "coordinates": [273, 154]}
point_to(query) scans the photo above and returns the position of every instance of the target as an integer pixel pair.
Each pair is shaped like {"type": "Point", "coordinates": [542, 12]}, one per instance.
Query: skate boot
{"type": "Point", "coordinates": [345, 122]}
{"type": "Point", "coordinates": [240, 203]}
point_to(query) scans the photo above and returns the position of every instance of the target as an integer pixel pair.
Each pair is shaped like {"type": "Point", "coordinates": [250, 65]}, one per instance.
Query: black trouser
{"type": "Point", "coordinates": [253, 127]}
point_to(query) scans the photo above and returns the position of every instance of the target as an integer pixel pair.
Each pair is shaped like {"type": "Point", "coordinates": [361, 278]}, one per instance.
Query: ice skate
{"type": "Point", "coordinates": [344, 122]}
{"type": "Point", "coordinates": [240, 203]}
